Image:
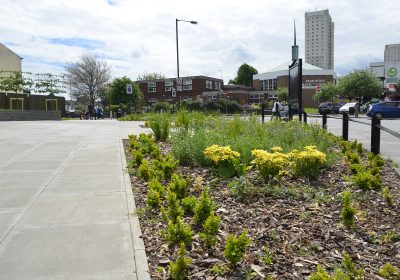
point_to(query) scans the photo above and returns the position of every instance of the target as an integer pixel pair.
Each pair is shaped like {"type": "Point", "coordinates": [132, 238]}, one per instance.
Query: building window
{"type": "Point", "coordinates": [187, 87]}
{"type": "Point", "coordinates": [151, 84]}
{"type": "Point", "coordinates": [169, 83]}
{"type": "Point", "coordinates": [152, 89]}
{"type": "Point", "coordinates": [187, 81]}
{"type": "Point", "coordinates": [217, 85]}
{"type": "Point", "coordinates": [168, 88]}
{"type": "Point", "coordinates": [209, 84]}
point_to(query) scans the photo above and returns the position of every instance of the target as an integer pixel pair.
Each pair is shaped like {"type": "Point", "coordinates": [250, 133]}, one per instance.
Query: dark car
{"type": "Point", "coordinates": [388, 109]}
{"type": "Point", "coordinates": [329, 108]}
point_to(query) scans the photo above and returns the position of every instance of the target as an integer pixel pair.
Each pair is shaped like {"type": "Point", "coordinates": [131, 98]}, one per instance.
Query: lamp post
{"type": "Point", "coordinates": [177, 45]}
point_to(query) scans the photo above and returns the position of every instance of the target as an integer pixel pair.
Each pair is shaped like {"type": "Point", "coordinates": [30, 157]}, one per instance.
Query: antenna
{"type": "Point", "coordinates": [294, 22]}
{"type": "Point", "coordinates": [295, 48]}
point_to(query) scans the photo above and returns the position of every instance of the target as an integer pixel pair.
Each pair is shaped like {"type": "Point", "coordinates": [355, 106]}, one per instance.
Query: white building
{"type": "Point", "coordinates": [392, 53]}
{"type": "Point", "coordinates": [387, 72]}
{"type": "Point", "coordinates": [319, 39]}
{"type": "Point", "coordinates": [9, 60]}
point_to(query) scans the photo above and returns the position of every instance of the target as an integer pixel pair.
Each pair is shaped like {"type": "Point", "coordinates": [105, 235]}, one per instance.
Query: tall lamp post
{"type": "Point", "coordinates": [177, 45]}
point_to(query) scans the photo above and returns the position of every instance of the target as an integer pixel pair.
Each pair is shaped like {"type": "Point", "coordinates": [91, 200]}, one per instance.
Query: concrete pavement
{"type": "Point", "coordinates": [66, 205]}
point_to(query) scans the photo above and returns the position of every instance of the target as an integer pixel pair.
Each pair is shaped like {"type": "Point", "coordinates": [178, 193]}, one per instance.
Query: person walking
{"type": "Point", "coordinates": [276, 110]}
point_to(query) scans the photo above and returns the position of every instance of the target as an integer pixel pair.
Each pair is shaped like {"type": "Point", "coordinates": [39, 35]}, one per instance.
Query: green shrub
{"type": "Point", "coordinates": [203, 207]}
{"type": "Point", "coordinates": [376, 160]}
{"type": "Point", "coordinates": [189, 204]}
{"type": "Point", "coordinates": [178, 185]}
{"type": "Point", "coordinates": [352, 157]}
{"type": "Point", "coordinates": [367, 181]}
{"type": "Point", "coordinates": [266, 258]}
{"type": "Point", "coordinates": [178, 232]}
{"type": "Point", "coordinates": [182, 119]}
{"type": "Point", "coordinates": [235, 247]}
{"type": "Point", "coordinates": [348, 212]}
{"type": "Point", "coordinates": [179, 268]}
{"type": "Point", "coordinates": [138, 157]}
{"type": "Point", "coordinates": [167, 164]}
{"type": "Point", "coordinates": [133, 141]}
{"type": "Point", "coordinates": [390, 236]}
{"type": "Point", "coordinates": [243, 189]}
{"type": "Point", "coordinates": [321, 274]}
{"type": "Point", "coordinates": [174, 208]}
{"type": "Point", "coordinates": [153, 198]}
{"type": "Point", "coordinates": [145, 171]}
{"type": "Point", "coordinates": [388, 196]}
{"type": "Point", "coordinates": [270, 164]}
{"type": "Point", "coordinates": [308, 161]}
{"type": "Point", "coordinates": [210, 230]}
{"type": "Point", "coordinates": [155, 184]}
{"type": "Point", "coordinates": [357, 168]}
{"type": "Point", "coordinates": [351, 269]}
{"type": "Point", "coordinates": [389, 271]}
{"type": "Point", "coordinates": [160, 127]}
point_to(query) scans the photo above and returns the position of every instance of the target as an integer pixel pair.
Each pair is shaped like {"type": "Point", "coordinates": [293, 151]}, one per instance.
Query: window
{"type": "Point", "coordinates": [169, 83]}
{"type": "Point", "coordinates": [217, 85]}
{"type": "Point", "coordinates": [151, 84]}
{"type": "Point", "coordinates": [168, 88]}
{"type": "Point", "coordinates": [209, 84]}
{"type": "Point", "coordinates": [153, 89]}
{"type": "Point", "coordinates": [187, 82]}
{"type": "Point", "coordinates": [187, 87]}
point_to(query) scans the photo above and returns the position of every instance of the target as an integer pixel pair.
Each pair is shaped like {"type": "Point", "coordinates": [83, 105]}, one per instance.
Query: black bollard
{"type": "Point", "coordinates": [375, 135]}
{"type": "Point", "coordinates": [324, 120]}
{"type": "Point", "coordinates": [345, 126]}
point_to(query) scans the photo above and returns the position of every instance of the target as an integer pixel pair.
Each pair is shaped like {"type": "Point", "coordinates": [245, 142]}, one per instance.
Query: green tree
{"type": "Point", "coordinates": [88, 78]}
{"type": "Point", "coordinates": [11, 81]}
{"type": "Point", "coordinates": [329, 92]}
{"type": "Point", "coordinates": [49, 83]}
{"type": "Point", "coordinates": [118, 95]}
{"type": "Point", "coordinates": [244, 75]}
{"type": "Point", "coordinates": [150, 76]}
{"type": "Point", "coordinates": [360, 83]}
{"type": "Point", "coordinates": [283, 94]}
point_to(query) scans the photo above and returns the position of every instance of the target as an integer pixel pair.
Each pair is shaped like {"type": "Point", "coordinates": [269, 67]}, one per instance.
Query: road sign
{"type": "Point", "coordinates": [173, 92]}
{"type": "Point", "coordinates": [317, 89]}
{"type": "Point", "coordinates": [128, 89]}
{"type": "Point", "coordinates": [392, 87]}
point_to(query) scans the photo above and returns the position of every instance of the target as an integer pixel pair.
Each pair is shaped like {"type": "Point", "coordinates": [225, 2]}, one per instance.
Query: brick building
{"type": "Point", "coordinates": [313, 77]}
{"type": "Point", "coordinates": [193, 87]}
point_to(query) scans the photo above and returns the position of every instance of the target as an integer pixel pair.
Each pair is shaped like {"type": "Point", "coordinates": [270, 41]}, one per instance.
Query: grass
{"type": "Point", "coordinates": [245, 135]}
{"type": "Point", "coordinates": [311, 110]}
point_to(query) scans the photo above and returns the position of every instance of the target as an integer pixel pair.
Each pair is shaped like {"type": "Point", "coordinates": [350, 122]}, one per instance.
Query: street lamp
{"type": "Point", "coordinates": [177, 47]}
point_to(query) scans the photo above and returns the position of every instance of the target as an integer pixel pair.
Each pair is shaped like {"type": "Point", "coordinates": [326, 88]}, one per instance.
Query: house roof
{"type": "Point", "coordinates": [4, 46]}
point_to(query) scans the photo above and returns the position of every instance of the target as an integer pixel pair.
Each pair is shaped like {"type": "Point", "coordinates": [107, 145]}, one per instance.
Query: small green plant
{"type": "Point", "coordinates": [225, 161]}
{"type": "Point", "coordinates": [138, 157]}
{"type": "Point", "coordinates": [153, 198]}
{"type": "Point", "coordinates": [266, 258]}
{"type": "Point", "coordinates": [203, 207]}
{"type": "Point", "coordinates": [243, 189]}
{"type": "Point", "coordinates": [348, 212]}
{"type": "Point", "coordinates": [352, 157]}
{"type": "Point", "coordinates": [174, 208]}
{"type": "Point", "coordinates": [179, 268]}
{"type": "Point", "coordinates": [178, 185]}
{"type": "Point", "coordinates": [376, 160]}
{"type": "Point", "coordinates": [189, 204]}
{"type": "Point", "coordinates": [351, 269]}
{"type": "Point", "coordinates": [218, 269]}
{"type": "Point", "coordinates": [160, 127]}
{"type": "Point", "coordinates": [388, 196]}
{"type": "Point", "coordinates": [178, 232]}
{"type": "Point", "coordinates": [145, 171]}
{"type": "Point", "coordinates": [389, 271]}
{"type": "Point", "coordinates": [198, 184]}
{"type": "Point", "coordinates": [210, 230]}
{"type": "Point", "coordinates": [235, 247]}
{"type": "Point", "coordinates": [133, 141]}
{"type": "Point", "coordinates": [366, 180]}
{"type": "Point", "coordinates": [182, 119]}
{"type": "Point", "coordinates": [308, 161]}
{"type": "Point", "coordinates": [390, 236]}
{"type": "Point", "coordinates": [168, 165]}
{"type": "Point", "coordinates": [154, 184]}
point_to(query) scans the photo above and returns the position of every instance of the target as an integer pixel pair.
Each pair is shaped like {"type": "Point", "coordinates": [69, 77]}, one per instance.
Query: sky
{"type": "Point", "coordinates": [139, 36]}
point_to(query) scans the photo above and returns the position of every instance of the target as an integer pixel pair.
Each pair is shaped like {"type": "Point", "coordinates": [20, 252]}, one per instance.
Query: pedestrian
{"type": "Point", "coordinates": [276, 110]}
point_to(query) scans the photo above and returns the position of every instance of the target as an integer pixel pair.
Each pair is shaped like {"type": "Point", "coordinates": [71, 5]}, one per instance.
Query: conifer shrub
{"type": "Point", "coordinates": [210, 230]}
{"type": "Point", "coordinates": [178, 232]}
{"type": "Point", "coordinates": [235, 247]}
{"type": "Point", "coordinates": [138, 157]}
{"type": "Point", "coordinates": [174, 208]}
{"type": "Point", "coordinates": [352, 157]}
{"type": "Point", "coordinates": [160, 127]}
{"type": "Point", "coordinates": [155, 184]}
{"type": "Point", "coordinates": [348, 212]}
{"type": "Point", "coordinates": [203, 208]}
{"type": "Point", "coordinates": [179, 268]}
{"type": "Point", "coordinates": [376, 160]}
{"type": "Point", "coordinates": [348, 271]}
{"type": "Point", "coordinates": [388, 196]}
{"type": "Point", "coordinates": [153, 198]}
{"type": "Point", "coordinates": [389, 271]}
{"type": "Point", "coordinates": [189, 204]}
{"type": "Point", "coordinates": [167, 165]}
{"type": "Point", "coordinates": [178, 185]}
{"type": "Point", "coordinates": [365, 180]}
{"type": "Point", "coordinates": [133, 141]}
{"type": "Point", "coordinates": [145, 170]}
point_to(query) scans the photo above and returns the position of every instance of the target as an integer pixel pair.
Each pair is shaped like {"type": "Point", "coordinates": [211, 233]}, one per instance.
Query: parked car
{"type": "Point", "coordinates": [329, 108]}
{"type": "Point", "coordinates": [348, 108]}
{"type": "Point", "coordinates": [387, 109]}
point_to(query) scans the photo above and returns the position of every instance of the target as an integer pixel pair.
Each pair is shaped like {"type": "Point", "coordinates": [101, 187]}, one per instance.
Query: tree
{"type": "Point", "coordinates": [118, 95]}
{"type": "Point", "coordinates": [49, 83]}
{"type": "Point", "coordinates": [329, 92]}
{"type": "Point", "coordinates": [150, 76]}
{"type": "Point", "coordinates": [12, 81]}
{"type": "Point", "coordinates": [360, 83]}
{"type": "Point", "coordinates": [88, 78]}
{"type": "Point", "coordinates": [244, 75]}
{"type": "Point", "coordinates": [283, 93]}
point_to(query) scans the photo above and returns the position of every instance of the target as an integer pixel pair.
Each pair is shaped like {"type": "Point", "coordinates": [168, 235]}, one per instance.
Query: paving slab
{"type": "Point", "coordinates": [24, 178]}
{"type": "Point", "coordinates": [18, 198]}
{"type": "Point", "coordinates": [32, 165]}
{"type": "Point", "coordinates": [7, 220]}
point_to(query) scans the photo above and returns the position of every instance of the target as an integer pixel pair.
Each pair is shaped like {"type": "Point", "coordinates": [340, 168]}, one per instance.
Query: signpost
{"type": "Point", "coordinates": [128, 89]}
